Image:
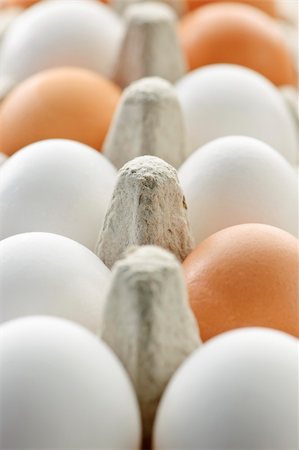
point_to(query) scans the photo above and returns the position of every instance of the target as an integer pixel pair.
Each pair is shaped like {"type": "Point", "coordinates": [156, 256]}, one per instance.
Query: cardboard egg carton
{"type": "Point", "coordinates": [152, 281]}
{"type": "Point", "coordinates": [147, 215]}
{"type": "Point", "coordinates": [150, 33]}
{"type": "Point", "coordinates": [148, 190]}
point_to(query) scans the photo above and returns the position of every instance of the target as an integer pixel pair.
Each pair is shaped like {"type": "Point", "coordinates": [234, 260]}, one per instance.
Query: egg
{"type": "Point", "coordinates": [61, 33]}
{"type": "Point", "coordinates": [235, 180]}
{"type": "Point", "coordinates": [245, 275]}
{"type": "Point", "coordinates": [63, 388]}
{"type": "Point", "coordinates": [225, 100]}
{"type": "Point", "coordinates": [268, 6]}
{"type": "Point", "coordinates": [239, 391]}
{"type": "Point", "coordinates": [48, 274]}
{"type": "Point", "coordinates": [56, 186]}
{"type": "Point", "coordinates": [237, 34]}
{"type": "Point", "coordinates": [17, 3]}
{"type": "Point", "coordinates": [66, 103]}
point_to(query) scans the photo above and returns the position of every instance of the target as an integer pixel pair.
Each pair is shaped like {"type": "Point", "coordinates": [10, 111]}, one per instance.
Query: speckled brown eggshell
{"type": "Point", "coordinates": [66, 103]}
{"type": "Point", "coordinates": [237, 34]}
{"type": "Point", "coordinates": [245, 276]}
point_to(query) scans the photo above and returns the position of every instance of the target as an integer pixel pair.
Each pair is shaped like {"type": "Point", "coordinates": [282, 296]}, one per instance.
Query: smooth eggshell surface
{"type": "Point", "coordinates": [63, 388]}
{"type": "Point", "coordinates": [47, 274]}
{"type": "Point", "coordinates": [239, 391]}
{"type": "Point", "coordinates": [246, 275]}
{"type": "Point", "coordinates": [226, 100]}
{"type": "Point", "coordinates": [17, 3]}
{"type": "Point", "coordinates": [56, 186]}
{"type": "Point", "coordinates": [64, 103]}
{"type": "Point", "coordinates": [237, 34]}
{"type": "Point", "coordinates": [268, 6]}
{"type": "Point", "coordinates": [50, 34]}
{"type": "Point", "coordinates": [235, 180]}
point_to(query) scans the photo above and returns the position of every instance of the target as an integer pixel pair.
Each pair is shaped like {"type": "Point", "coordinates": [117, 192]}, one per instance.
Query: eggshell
{"type": "Point", "coordinates": [67, 103]}
{"type": "Point", "coordinates": [237, 34]}
{"type": "Point", "coordinates": [61, 387]}
{"type": "Point", "coordinates": [238, 391]}
{"type": "Point", "coordinates": [47, 274]}
{"type": "Point", "coordinates": [56, 186]}
{"type": "Point", "coordinates": [225, 100]}
{"type": "Point", "coordinates": [246, 275]}
{"type": "Point", "coordinates": [59, 33]}
{"type": "Point", "coordinates": [7, 16]}
{"type": "Point", "coordinates": [235, 180]}
{"type": "Point", "coordinates": [16, 3]}
{"type": "Point", "coordinates": [268, 6]}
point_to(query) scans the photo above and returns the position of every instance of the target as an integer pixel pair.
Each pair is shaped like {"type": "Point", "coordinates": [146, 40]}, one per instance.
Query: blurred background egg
{"type": "Point", "coordinates": [226, 100]}
{"type": "Point", "coordinates": [246, 275]}
{"type": "Point", "coordinates": [239, 391]}
{"type": "Point", "coordinates": [82, 33]}
{"type": "Point", "coordinates": [17, 3]}
{"type": "Point", "coordinates": [235, 180]}
{"type": "Point", "coordinates": [237, 34]}
{"type": "Point", "coordinates": [56, 186]}
{"type": "Point", "coordinates": [268, 6]}
{"type": "Point", "coordinates": [48, 274]}
{"type": "Point", "coordinates": [66, 103]}
{"type": "Point", "coordinates": [63, 388]}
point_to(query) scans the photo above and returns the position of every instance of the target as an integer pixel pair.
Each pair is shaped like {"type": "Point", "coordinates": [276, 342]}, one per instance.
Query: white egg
{"type": "Point", "coordinates": [61, 33]}
{"type": "Point", "coordinates": [62, 388]}
{"type": "Point", "coordinates": [235, 180]}
{"type": "Point", "coordinates": [57, 186]}
{"type": "Point", "coordinates": [224, 100]}
{"type": "Point", "coordinates": [47, 274]}
{"type": "Point", "coordinates": [240, 391]}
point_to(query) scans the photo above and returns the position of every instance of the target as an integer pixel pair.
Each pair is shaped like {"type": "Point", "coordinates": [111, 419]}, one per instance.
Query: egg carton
{"type": "Point", "coordinates": [147, 209]}
{"type": "Point", "coordinates": [154, 25]}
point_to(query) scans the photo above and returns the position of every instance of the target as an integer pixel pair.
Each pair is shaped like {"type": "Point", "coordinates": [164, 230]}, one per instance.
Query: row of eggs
{"type": "Point", "coordinates": [55, 186]}
{"type": "Point", "coordinates": [217, 100]}
{"type": "Point", "coordinates": [90, 35]}
{"type": "Point", "coordinates": [241, 276]}
{"type": "Point", "coordinates": [65, 187]}
{"type": "Point", "coordinates": [239, 390]}
{"type": "Point", "coordinates": [77, 104]}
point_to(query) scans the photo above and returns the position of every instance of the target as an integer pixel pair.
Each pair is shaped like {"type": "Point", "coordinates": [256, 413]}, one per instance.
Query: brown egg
{"type": "Point", "coordinates": [243, 276]}
{"type": "Point", "coordinates": [17, 3]}
{"type": "Point", "coordinates": [237, 34]}
{"type": "Point", "coordinates": [67, 103]}
{"type": "Point", "coordinates": [268, 6]}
